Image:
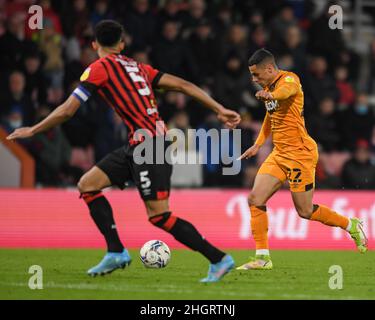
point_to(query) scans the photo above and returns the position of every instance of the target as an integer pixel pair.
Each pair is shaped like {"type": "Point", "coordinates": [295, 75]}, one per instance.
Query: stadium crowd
{"type": "Point", "coordinates": [206, 42]}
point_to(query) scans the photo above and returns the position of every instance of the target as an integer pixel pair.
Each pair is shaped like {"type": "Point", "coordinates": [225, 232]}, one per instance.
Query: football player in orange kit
{"type": "Point", "coordinates": [294, 157]}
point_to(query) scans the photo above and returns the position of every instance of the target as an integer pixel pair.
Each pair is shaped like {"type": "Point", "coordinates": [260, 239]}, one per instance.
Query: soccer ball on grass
{"type": "Point", "coordinates": [155, 254]}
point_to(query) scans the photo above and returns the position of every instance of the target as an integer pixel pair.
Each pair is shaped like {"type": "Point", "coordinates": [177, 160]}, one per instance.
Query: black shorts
{"type": "Point", "coordinates": [152, 180]}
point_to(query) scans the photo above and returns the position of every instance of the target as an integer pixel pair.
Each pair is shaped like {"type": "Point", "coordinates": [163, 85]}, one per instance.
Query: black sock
{"type": "Point", "coordinates": [187, 234]}
{"type": "Point", "coordinates": [101, 213]}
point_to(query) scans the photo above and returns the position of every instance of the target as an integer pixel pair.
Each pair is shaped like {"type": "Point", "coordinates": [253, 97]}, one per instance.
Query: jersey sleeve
{"type": "Point", "coordinates": [153, 74]}
{"type": "Point", "coordinates": [91, 79]}
{"type": "Point", "coordinates": [288, 87]}
{"type": "Point", "coordinates": [264, 131]}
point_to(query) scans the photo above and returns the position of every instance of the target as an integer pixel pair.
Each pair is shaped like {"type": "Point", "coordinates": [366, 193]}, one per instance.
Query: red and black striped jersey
{"type": "Point", "coordinates": [127, 87]}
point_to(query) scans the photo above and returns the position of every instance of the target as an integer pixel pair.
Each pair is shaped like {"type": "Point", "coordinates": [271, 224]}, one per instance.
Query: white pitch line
{"type": "Point", "coordinates": [171, 289]}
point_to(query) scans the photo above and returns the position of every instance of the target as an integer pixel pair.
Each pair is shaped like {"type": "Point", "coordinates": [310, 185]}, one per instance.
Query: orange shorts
{"type": "Point", "coordinates": [299, 170]}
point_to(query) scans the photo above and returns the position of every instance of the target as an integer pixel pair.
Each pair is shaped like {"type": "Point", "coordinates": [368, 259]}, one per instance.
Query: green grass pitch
{"type": "Point", "coordinates": [296, 275]}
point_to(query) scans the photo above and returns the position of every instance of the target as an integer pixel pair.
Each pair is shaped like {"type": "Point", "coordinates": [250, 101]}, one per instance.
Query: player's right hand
{"type": "Point", "coordinates": [229, 117]}
{"type": "Point", "coordinates": [21, 133]}
{"type": "Point", "coordinates": [251, 152]}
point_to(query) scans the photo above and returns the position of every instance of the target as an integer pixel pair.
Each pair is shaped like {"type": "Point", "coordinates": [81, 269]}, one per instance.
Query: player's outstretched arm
{"type": "Point", "coordinates": [61, 114]}
{"type": "Point", "coordinates": [265, 131]}
{"type": "Point", "coordinates": [169, 82]}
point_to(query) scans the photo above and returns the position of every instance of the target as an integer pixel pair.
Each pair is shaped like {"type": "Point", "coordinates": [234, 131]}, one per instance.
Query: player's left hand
{"type": "Point", "coordinates": [21, 133]}
{"type": "Point", "coordinates": [264, 95]}
{"type": "Point", "coordinates": [230, 118]}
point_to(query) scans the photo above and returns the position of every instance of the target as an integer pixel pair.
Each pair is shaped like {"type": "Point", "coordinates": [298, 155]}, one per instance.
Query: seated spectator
{"type": "Point", "coordinates": [140, 22]}
{"type": "Point", "coordinates": [318, 84]}
{"type": "Point", "coordinates": [204, 49]}
{"type": "Point", "coordinates": [324, 126]}
{"type": "Point", "coordinates": [237, 40]}
{"type": "Point", "coordinates": [359, 172]}
{"type": "Point", "coordinates": [101, 12]}
{"type": "Point", "coordinates": [279, 25]}
{"type": "Point", "coordinates": [345, 89]}
{"type": "Point", "coordinates": [170, 11]}
{"type": "Point", "coordinates": [50, 43]}
{"type": "Point", "coordinates": [195, 13]}
{"type": "Point", "coordinates": [171, 54]}
{"type": "Point", "coordinates": [16, 96]}
{"type": "Point", "coordinates": [294, 46]}
{"type": "Point", "coordinates": [36, 83]}
{"type": "Point", "coordinates": [357, 122]}
{"type": "Point", "coordinates": [13, 120]}
{"type": "Point", "coordinates": [13, 44]}
{"type": "Point", "coordinates": [232, 83]}
{"type": "Point", "coordinates": [52, 152]}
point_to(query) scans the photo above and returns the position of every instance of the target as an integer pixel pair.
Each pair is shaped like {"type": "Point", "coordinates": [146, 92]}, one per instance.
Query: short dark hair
{"type": "Point", "coordinates": [108, 33]}
{"type": "Point", "coordinates": [260, 56]}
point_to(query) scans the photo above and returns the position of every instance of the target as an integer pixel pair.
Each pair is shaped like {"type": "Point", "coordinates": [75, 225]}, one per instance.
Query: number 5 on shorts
{"type": "Point", "coordinates": [145, 181]}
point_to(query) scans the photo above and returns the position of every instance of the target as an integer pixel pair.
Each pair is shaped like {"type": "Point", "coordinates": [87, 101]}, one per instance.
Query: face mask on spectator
{"type": "Point", "coordinates": [15, 123]}
{"type": "Point", "coordinates": [361, 109]}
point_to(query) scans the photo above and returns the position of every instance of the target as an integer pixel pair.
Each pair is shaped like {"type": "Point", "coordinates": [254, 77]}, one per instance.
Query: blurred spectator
{"type": "Point", "coordinates": [171, 54]}
{"type": "Point", "coordinates": [294, 47]}
{"type": "Point", "coordinates": [111, 134]}
{"type": "Point", "coordinates": [279, 25]}
{"type": "Point", "coordinates": [345, 89]}
{"type": "Point", "coordinates": [195, 13]}
{"type": "Point", "coordinates": [357, 122]}
{"type": "Point", "coordinates": [258, 40]}
{"type": "Point", "coordinates": [74, 69]}
{"type": "Point", "coordinates": [371, 78]}
{"type": "Point", "coordinates": [236, 41]}
{"type": "Point", "coordinates": [324, 126]}
{"type": "Point", "coordinates": [50, 14]}
{"type": "Point", "coordinates": [181, 121]}
{"type": "Point", "coordinates": [16, 96]}
{"type": "Point", "coordinates": [13, 120]}
{"type": "Point", "coordinates": [52, 152]}
{"type": "Point", "coordinates": [13, 45]}
{"type": "Point", "coordinates": [141, 24]}
{"type": "Point", "coordinates": [324, 40]}
{"type": "Point", "coordinates": [223, 20]}
{"type": "Point", "coordinates": [36, 82]}
{"type": "Point", "coordinates": [232, 84]}
{"type": "Point", "coordinates": [141, 56]}
{"type": "Point", "coordinates": [204, 50]}
{"type": "Point", "coordinates": [101, 12]}
{"type": "Point", "coordinates": [359, 172]}
{"type": "Point", "coordinates": [170, 11]}
{"type": "Point", "coordinates": [318, 84]}
{"type": "Point", "coordinates": [76, 20]}
{"type": "Point", "coordinates": [50, 43]}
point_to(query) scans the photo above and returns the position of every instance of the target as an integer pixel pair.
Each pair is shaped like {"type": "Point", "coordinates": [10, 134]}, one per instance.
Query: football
{"type": "Point", "coordinates": [155, 254]}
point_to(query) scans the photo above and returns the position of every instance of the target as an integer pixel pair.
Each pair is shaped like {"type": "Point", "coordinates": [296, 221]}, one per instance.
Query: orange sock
{"type": "Point", "coordinates": [329, 217]}
{"type": "Point", "coordinates": [259, 226]}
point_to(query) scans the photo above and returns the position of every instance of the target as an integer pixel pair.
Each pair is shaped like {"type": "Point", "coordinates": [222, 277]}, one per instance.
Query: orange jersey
{"type": "Point", "coordinates": [284, 118]}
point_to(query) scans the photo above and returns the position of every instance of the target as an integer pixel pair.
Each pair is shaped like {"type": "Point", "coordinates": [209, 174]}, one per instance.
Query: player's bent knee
{"type": "Point", "coordinates": [85, 185]}
{"type": "Point", "coordinates": [304, 213]}
{"type": "Point", "coordinates": [164, 220]}
{"type": "Point", "coordinates": [254, 199]}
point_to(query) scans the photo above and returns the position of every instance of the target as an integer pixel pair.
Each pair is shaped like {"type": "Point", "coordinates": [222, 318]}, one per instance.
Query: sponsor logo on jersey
{"type": "Point", "coordinates": [85, 74]}
{"type": "Point", "coordinates": [289, 79]}
{"type": "Point", "coordinates": [271, 105]}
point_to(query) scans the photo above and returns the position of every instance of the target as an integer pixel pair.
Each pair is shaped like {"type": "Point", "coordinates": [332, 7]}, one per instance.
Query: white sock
{"type": "Point", "coordinates": [262, 252]}
{"type": "Point", "coordinates": [349, 225]}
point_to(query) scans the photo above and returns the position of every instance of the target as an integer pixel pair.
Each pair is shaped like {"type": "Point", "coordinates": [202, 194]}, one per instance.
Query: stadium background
{"type": "Point", "coordinates": [208, 43]}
